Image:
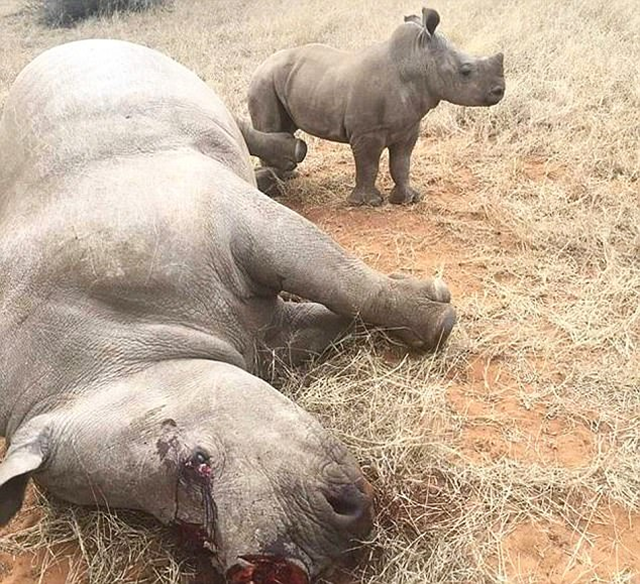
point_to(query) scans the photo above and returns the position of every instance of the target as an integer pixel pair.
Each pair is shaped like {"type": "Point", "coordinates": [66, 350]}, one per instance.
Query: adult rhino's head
{"type": "Point", "coordinates": [449, 74]}
{"type": "Point", "coordinates": [208, 446]}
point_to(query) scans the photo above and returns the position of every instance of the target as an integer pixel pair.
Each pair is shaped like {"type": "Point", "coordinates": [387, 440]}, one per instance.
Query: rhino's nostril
{"type": "Point", "coordinates": [353, 508]}
{"type": "Point", "coordinates": [497, 91]}
{"type": "Point", "coordinates": [342, 505]}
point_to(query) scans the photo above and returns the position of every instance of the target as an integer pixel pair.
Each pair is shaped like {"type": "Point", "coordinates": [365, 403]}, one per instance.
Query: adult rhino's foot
{"type": "Point", "coordinates": [425, 316]}
{"type": "Point", "coordinates": [360, 196]}
{"type": "Point", "coordinates": [404, 196]}
{"type": "Point", "coordinates": [433, 331]}
{"type": "Point", "coordinates": [269, 181]}
{"type": "Point", "coordinates": [435, 289]}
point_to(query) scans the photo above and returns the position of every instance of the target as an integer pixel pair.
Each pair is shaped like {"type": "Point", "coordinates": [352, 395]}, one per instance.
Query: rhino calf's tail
{"type": "Point", "coordinates": [67, 12]}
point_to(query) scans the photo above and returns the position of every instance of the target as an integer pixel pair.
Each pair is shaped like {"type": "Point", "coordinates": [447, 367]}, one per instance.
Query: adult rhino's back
{"type": "Point", "coordinates": [102, 99]}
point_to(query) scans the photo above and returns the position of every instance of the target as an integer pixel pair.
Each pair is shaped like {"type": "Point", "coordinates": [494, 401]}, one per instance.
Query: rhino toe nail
{"type": "Point", "coordinates": [300, 150]}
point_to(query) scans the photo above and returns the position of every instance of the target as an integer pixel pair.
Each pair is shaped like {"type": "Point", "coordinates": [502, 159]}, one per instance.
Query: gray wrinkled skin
{"type": "Point", "coordinates": [279, 149]}
{"type": "Point", "coordinates": [372, 99]}
{"type": "Point", "coordinates": [140, 272]}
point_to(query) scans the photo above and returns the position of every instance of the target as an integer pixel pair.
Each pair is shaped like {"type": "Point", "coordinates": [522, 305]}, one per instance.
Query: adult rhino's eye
{"type": "Point", "coordinates": [198, 465]}
{"type": "Point", "coordinates": [465, 70]}
{"type": "Point", "coordinates": [200, 457]}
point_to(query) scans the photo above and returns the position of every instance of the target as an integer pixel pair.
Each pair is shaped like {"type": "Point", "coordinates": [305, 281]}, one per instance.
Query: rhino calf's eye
{"type": "Point", "coordinates": [465, 70]}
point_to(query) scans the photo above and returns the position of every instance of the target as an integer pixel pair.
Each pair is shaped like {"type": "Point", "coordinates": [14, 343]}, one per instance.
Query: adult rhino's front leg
{"type": "Point", "coordinates": [281, 250]}
{"type": "Point", "coordinates": [301, 330]}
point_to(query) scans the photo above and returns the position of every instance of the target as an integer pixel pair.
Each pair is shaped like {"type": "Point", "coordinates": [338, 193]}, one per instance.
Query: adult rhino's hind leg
{"type": "Point", "coordinates": [280, 250]}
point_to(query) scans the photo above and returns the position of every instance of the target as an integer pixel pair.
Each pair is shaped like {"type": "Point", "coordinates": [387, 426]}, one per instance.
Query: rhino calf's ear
{"type": "Point", "coordinates": [430, 19]}
{"type": "Point", "coordinates": [20, 461]}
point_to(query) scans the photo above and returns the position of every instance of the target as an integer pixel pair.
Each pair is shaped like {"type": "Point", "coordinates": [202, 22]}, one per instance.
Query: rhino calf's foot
{"type": "Point", "coordinates": [371, 197]}
{"type": "Point", "coordinates": [404, 196]}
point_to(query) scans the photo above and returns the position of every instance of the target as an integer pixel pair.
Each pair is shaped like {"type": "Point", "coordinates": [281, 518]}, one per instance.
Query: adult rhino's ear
{"type": "Point", "coordinates": [25, 455]}
{"type": "Point", "coordinates": [430, 19]}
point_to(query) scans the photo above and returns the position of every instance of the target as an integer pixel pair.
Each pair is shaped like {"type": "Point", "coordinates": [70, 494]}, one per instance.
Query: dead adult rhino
{"type": "Point", "coordinates": [140, 272]}
{"type": "Point", "coordinates": [372, 99]}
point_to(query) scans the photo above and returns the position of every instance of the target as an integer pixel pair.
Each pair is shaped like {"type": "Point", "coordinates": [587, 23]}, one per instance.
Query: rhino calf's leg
{"type": "Point", "coordinates": [268, 116]}
{"type": "Point", "coordinates": [366, 152]}
{"type": "Point", "coordinates": [399, 167]}
{"type": "Point", "coordinates": [279, 153]}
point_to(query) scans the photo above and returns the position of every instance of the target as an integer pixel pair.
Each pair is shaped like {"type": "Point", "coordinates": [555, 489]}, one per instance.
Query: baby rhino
{"type": "Point", "coordinates": [372, 99]}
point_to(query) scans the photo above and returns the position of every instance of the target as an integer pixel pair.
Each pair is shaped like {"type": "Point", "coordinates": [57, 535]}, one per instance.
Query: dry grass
{"type": "Point", "coordinates": [70, 12]}
{"type": "Point", "coordinates": [535, 208]}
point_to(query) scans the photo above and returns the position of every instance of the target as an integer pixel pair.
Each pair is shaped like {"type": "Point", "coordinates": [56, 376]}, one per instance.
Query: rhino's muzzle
{"type": "Point", "coordinates": [266, 569]}
{"type": "Point", "coordinates": [495, 95]}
